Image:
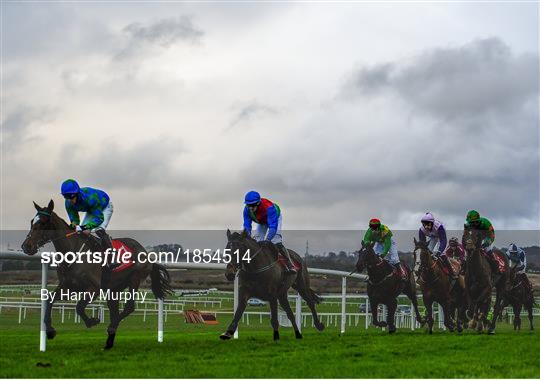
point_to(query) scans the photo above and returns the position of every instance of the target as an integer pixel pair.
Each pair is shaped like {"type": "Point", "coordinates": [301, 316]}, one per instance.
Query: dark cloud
{"type": "Point", "coordinates": [163, 33]}
{"type": "Point", "coordinates": [479, 77]}
{"type": "Point", "coordinates": [250, 111]}
{"type": "Point", "coordinates": [111, 165]}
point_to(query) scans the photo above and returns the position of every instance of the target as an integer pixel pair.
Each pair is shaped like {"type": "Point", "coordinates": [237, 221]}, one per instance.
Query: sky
{"type": "Point", "coordinates": [338, 112]}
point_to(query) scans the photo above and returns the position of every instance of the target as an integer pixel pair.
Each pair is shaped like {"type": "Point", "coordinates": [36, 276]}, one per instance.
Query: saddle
{"type": "Point", "coordinates": [283, 262]}
{"type": "Point", "coordinates": [498, 258]}
{"type": "Point", "coordinates": [123, 250]}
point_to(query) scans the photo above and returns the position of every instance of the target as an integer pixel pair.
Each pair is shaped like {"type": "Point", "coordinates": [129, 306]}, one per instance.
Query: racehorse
{"type": "Point", "coordinates": [436, 286]}
{"type": "Point", "coordinates": [519, 296]}
{"type": "Point", "coordinates": [261, 275]}
{"type": "Point", "coordinates": [46, 227]}
{"type": "Point", "coordinates": [480, 281]}
{"type": "Point", "coordinates": [384, 286]}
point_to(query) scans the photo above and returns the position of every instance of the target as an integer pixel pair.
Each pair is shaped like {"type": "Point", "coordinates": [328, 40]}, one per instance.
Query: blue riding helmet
{"type": "Point", "coordinates": [70, 186]}
{"type": "Point", "coordinates": [252, 198]}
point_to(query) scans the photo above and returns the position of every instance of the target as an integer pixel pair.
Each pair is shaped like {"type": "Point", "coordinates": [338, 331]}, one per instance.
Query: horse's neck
{"type": "Point", "coordinates": [376, 268]}
{"type": "Point", "coordinates": [477, 262]}
{"type": "Point", "coordinates": [426, 260]}
{"type": "Point", "coordinates": [60, 242]}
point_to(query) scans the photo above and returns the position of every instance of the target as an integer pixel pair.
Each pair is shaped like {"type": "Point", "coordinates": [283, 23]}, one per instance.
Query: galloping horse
{"type": "Point", "coordinates": [436, 287]}
{"type": "Point", "coordinates": [46, 227]}
{"type": "Point", "coordinates": [385, 285]}
{"type": "Point", "coordinates": [263, 277]}
{"type": "Point", "coordinates": [518, 296]}
{"type": "Point", "coordinates": [480, 281]}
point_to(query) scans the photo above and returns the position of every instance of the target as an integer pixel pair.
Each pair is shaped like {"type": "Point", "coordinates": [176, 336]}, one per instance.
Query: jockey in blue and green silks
{"type": "Point", "coordinates": [98, 210]}
{"type": "Point", "coordinates": [267, 215]}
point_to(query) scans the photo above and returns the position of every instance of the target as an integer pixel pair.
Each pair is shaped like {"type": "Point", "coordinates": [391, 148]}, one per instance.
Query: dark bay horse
{"type": "Point", "coordinates": [264, 278]}
{"type": "Point", "coordinates": [384, 286]}
{"type": "Point", "coordinates": [437, 287]}
{"type": "Point", "coordinates": [480, 282]}
{"type": "Point", "coordinates": [46, 227]}
{"type": "Point", "coordinates": [520, 295]}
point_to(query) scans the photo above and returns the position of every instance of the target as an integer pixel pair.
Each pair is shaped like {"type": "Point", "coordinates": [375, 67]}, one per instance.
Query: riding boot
{"type": "Point", "coordinates": [105, 239]}
{"type": "Point", "coordinates": [106, 270]}
{"type": "Point", "coordinates": [285, 252]}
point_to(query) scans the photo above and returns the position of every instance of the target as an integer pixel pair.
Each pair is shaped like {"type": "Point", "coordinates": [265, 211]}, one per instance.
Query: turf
{"type": "Point", "coordinates": [195, 351]}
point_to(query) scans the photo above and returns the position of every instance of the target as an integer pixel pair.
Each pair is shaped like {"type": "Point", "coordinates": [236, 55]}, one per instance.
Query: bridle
{"type": "Point", "coordinates": [42, 241]}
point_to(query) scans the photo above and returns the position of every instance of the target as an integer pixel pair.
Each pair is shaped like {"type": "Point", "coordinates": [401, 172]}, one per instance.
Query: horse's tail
{"type": "Point", "coordinates": [161, 281]}
{"type": "Point", "coordinates": [314, 296]}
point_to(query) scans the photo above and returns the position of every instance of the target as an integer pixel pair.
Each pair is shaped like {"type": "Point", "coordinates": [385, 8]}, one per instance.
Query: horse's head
{"type": "Point", "coordinates": [40, 229]}
{"type": "Point", "coordinates": [236, 245]}
{"type": "Point", "coordinates": [365, 256]}
{"type": "Point", "coordinates": [422, 246]}
{"type": "Point", "coordinates": [472, 239]}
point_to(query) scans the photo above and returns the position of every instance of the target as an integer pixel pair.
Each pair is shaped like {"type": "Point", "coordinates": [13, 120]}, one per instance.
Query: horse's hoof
{"type": "Point", "coordinates": [110, 341]}
{"type": "Point", "coordinates": [51, 334]}
{"type": "Point", "coordinates": [430, 331]}
{"type": "Point", "coordinates": [491, 332]}
{"type": "Point", "coordinates": [225, 336]}
{"type": "Point", "coordinates": [92, 322]}
{"type": "Point", "coordinates": [276, 335]}
{"type": "Point", "coordinates": [460, 329]}
{"type": "Point", "coordinates": [319, 326]}
{"type": "Point", "coordinates": [391, 329]}
{"type": "Point", "coordinates": [298, 334]}
{"type": "Point", "coordinates": [382, 324]}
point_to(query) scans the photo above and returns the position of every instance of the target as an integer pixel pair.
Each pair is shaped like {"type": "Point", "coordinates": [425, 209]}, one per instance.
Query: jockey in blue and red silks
{"type": "Point", "coordinates": [267, 215]}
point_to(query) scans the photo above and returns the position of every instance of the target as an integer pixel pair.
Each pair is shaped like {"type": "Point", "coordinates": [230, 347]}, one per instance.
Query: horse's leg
{"type": "Point", "coordinates": [374, 314]}
{"type": "Point", "coordinates": [529, 307]}
{"type": "Point", "coordinates": [410, 292]}
{"type": "Point", "coordinates": [113, 325]}
{"type": "Point", "coordinates": [496, 311]}
{"type": "Point", "coordinates": [516, 308]}
{"type": "Point", "coordinates": [81, 311]}
{"type": "Point", "coordinates": [47, 320]}
{"type": "Point", "coordinates": [133, 287]}
{"type": "Point", "coordinates": [428, 303]}
{"type": "Point", "coordinates": [391, 316]}
{"type": "Point", "coordinates": [285, 305]}
{"type": "Point", "coordinates": [448, 317]}
{"type": "Point", "coordinates": [274, 317]}
{"type": "Point", "coordinates": [242, 304]}
{"type": "Point", "coordinates": [302, 287]}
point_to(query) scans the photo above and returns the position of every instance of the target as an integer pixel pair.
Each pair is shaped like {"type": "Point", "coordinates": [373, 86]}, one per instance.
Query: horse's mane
{"type": "Point", "coordinates": [58, 218]}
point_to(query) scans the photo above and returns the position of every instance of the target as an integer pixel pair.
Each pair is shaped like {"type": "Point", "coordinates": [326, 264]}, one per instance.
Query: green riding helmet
{"type": "Point", "coordinates": [473, 216]}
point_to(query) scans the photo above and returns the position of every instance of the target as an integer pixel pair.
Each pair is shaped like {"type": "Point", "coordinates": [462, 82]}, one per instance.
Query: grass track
{"type": "Point", "coordinates": [195, 351]}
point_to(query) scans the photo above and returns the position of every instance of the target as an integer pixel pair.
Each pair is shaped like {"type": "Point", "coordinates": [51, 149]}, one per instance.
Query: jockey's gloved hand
{"type": "Point", "coordinates": [485, 244]}
{"type": "Point", "coordinates": [79, 229]}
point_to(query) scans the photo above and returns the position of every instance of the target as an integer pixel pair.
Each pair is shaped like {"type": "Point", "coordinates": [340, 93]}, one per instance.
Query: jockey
{"type": "Point", "coordinates": [98, 208]}
{"type": "Point", "coordinates": [385, 245]}
{"type": "Point", "coordinates": [435, 231]}
{"type": "Point", "coordinates": [517, 256]}
{"type": "Point", "coordinates": [455, 250]}
{"type": "Point", "coordinates": [267, 215]}
{"type": "Point", "coordinates": [476, 222]}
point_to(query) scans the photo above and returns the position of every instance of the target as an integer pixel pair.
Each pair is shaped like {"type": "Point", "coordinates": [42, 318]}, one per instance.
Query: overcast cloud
{"type": "Point", "coordinates": [366, 110]}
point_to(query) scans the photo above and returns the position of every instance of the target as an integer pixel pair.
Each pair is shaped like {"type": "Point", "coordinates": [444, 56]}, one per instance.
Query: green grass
{"type": "Point", "coordinates": [196, 351]}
